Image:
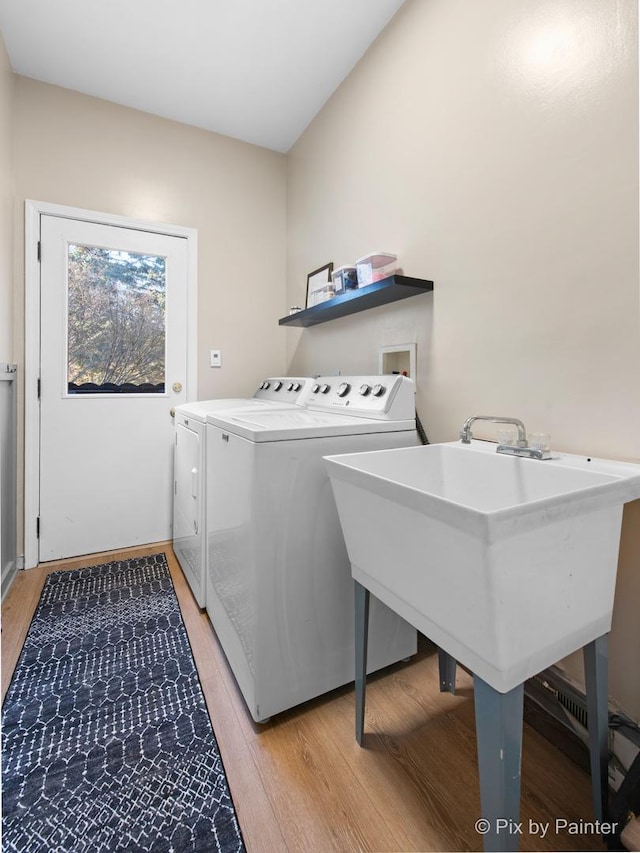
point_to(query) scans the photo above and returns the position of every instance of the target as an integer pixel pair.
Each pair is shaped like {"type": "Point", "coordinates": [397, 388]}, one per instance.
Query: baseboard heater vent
{"type": "Point", "coordinates": [557, 708]}
{"type": "Point", "coordinates": [552, 684]}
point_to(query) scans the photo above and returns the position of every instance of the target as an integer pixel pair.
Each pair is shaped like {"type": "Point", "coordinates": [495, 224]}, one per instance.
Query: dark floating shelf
{"type": "Point", "coordinates": [379, 293]}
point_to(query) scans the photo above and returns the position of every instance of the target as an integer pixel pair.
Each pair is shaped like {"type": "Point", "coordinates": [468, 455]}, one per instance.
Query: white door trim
{"type": "Point", "coordinates": [33, 211]}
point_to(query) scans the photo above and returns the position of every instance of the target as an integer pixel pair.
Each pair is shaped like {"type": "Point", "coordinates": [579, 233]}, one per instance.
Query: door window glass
{"type": "Point", "coordinates": [116, 321]}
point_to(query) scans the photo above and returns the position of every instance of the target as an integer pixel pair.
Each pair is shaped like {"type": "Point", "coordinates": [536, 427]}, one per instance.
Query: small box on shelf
{"type": "Point", "coordinates": [345, 278]}
{"type": "Point", "coordinates": [375, 267]}
{"type": "Point", "coordinates": [317, 297]}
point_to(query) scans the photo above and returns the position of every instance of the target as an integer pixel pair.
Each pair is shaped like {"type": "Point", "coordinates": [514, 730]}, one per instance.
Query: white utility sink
{"type": "Point", "coordinates": [508, 564]}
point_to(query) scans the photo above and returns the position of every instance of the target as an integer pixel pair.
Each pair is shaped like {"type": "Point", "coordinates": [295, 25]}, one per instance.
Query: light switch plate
{"type": "Point", "coordinates": [215, 358]}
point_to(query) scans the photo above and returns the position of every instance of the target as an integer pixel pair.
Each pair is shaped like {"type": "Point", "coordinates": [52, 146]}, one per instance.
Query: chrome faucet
{"type": "Point", "coordinates": [521, 448]}
{"type": "Point", "coordinates": [465, 432]}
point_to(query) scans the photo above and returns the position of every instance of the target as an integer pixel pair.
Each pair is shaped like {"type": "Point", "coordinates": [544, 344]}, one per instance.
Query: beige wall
{"type": "Point", "coordinates": [80, 151]}
{"type": "Point", "coordinates": [6, 206]}
{"type": "Point", "coordinates": [494, 147]}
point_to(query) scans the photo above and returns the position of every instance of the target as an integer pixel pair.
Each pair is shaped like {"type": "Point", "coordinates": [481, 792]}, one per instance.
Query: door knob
{"type": "Point", "coordinates": [177, 387]}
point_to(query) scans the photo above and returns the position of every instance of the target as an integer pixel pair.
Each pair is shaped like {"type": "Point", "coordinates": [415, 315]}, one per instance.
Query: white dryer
{"type": "Point", "coordinates": [189, 491]}
{"type": "Point", "coordinates": [279, 588]}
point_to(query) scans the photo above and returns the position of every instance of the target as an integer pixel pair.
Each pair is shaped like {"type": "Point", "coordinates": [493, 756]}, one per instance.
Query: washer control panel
{"type": "Point", "coordinates": [388, 397]}
{"type": "Point", "coordinates": [285, 389]}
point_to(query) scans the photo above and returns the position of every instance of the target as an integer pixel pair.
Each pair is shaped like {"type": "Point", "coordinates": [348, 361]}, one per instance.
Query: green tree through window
{"type": "Point", "coordinates": [116, 317]}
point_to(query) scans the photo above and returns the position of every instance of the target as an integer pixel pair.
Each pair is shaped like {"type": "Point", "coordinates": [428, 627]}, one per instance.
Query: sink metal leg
{"type": "Point", "coordinates": [447, 668]}
{"type": "Point", "coordinates": [361, 599]}
{"type": "Point", "coordinates": [499, 735]}
{"type": "Point", "coordinates": [596, 655]}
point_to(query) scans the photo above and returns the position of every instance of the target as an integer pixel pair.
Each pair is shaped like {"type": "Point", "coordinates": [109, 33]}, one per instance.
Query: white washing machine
{"type": "Point", "coordinates": [279, 588]}
{"type": "Point", "coordinates": [189, 490]}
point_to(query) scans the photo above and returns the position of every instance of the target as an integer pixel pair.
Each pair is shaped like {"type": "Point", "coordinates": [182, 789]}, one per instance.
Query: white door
{"type": "Point", "coordinates": [113, 362]}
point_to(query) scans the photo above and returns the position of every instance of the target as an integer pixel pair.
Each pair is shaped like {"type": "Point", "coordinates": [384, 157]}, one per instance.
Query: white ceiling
{"type": "Point", "coordinates": [257, 70]}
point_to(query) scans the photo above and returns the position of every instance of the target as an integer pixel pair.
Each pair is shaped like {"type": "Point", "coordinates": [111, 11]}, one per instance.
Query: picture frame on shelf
{"type": "Point", "coordinates": [317, 282]}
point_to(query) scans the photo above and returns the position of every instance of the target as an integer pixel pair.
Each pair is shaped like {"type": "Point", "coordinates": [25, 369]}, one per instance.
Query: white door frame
{"type": "Point", "coordinates": [32, 212]}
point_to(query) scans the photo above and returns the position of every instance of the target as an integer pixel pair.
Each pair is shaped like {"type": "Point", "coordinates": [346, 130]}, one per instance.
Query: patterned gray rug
{"type": "Point", "coordinates": [106, 740]}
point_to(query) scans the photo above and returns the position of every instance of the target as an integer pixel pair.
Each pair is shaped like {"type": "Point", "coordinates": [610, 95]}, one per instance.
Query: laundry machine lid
{"type": "Point", "coordinates": [200, 409]}
{"type": "Point", "coordinates": [289, 425]}
{"type": "Point", "coordinates": [272, 393]}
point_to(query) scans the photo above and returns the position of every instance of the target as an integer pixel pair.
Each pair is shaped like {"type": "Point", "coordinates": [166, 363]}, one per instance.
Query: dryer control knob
{"type": "Point", "coordinates": [378, 390]}
{"type": "Point", "coordinates": [364, 389]}
{"type": "Point", "coordinates": [324, 389]}
{"type": "Point", "coordinates": [343, 389]}
{"type": "Point", "coordinates": [315, 389]}
{"type": "Point", "coordinates": [296, 386]}
{"type": "Point", "coordinates": [266, 385]}
{"type": "Point", "coordinates": [277, 385]}
{"type": "Point", "coordinates": [290, 386]}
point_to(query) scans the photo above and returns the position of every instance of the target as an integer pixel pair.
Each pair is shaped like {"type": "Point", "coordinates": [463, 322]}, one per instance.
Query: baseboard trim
{"type": "Point", "coordinates": [9, 571]}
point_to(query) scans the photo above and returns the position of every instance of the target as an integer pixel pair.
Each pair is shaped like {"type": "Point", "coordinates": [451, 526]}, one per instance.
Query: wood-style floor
{"type": "Point", "coordinates": [301, 783]}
